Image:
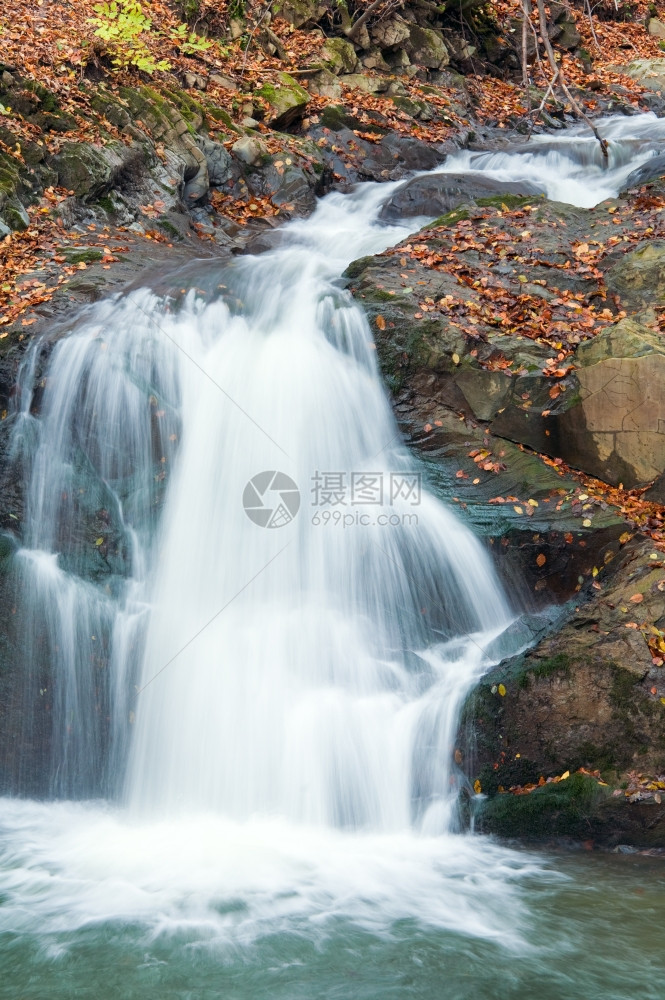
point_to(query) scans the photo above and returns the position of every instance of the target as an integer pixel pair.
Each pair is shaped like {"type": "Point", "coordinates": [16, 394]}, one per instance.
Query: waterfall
{"type": "Point", "coordinates": [242, 628]}
{"type": "Point", "coordinates": [311, 669]}
{"type": "Point", "coordinates": [194, 635]}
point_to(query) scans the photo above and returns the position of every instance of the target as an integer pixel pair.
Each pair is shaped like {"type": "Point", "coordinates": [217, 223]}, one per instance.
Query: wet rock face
{"type": "Point", "coordinates": [617, 428]}
{"type": "Point", "coordinates": [588, 697]}
{"type": "Point", "coordinates": [441, 193]}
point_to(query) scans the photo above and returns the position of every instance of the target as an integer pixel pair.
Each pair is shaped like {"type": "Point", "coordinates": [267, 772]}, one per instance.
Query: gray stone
{"type": "Point", "coordinates": [249, 150]}
{"type": "Point", "coordinates": [427, 48]}
{"type": "Point", "coordinates": [649, 72]}
{"type": "Point", "coordinates": [218, 160]}
{"type": "Point", "coordinates": [368, 84]}
{"type": "Point", "coordinates": [194, 81]}
{"type": "Point", "coordinates": [339, 56]}
{"type": "Point", "coordinates": [656, 28]}
{"type": "Point", "coordinates": [374, 60]}
{"type": "Point", "coordinates": [301, 12]}
{"type": "Point", "coordinates": [649, 171]}
{"type": "Point", "coordinates": [390, 33]}
{"type": "Point", "coordinates": [222, 81]}
{"type": "Point", "coordinates": [326, 84]}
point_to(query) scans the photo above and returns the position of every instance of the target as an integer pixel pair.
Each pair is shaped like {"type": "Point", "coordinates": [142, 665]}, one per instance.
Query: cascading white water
{"type": "Point", "coordinates": [289, 694]}
{"type": "Point", "coordinates": [569, 166]}
{"type": "Point", "coordinates": [340, 652]}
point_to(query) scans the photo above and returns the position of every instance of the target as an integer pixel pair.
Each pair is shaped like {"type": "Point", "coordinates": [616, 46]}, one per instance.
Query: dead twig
{"type": "Point", "coordinates": [542, 20]}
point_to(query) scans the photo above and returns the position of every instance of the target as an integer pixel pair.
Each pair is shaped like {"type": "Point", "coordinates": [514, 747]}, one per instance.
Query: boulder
{"type": "Point", "coordinates": [302, 12]}
{"type": "Point", "coordinates": [218, 160]}
{"type": "Point", "coordinates": [639, 276]}
{"type": "Point", "coordinates": [326, 84]}
{"type": "Point", "coordinates": [249, 150]}
{"type": "Point", "coordinates": [587, 697]}
{"type": "Point", "coordinates": [426, 47]}
{"type": "Point", "coordinates": [649, 72]}
{"type": "Point", "coordinates": [439, 193]}
{"type": "Point", "coordinates": [390, 33]}
{"type": "Point", "coordinates": [339, 56]}
{"type": "Point", "coordinates": [164, 121]}
{"type": "Point", "coordinates": [649, 171]}
{"type": "Point", "coordinates": [374, 60]}
{"type": "Point", "coordinates": [368, 84]}
{"type": "Point", "coordinates": [656, 28]}
{"type": "Point", "coordinates": [90, 171]}
{"type": "Point", "coordinates": [287, 101]}
{"type": "Point", "coordinates": [611, 420]}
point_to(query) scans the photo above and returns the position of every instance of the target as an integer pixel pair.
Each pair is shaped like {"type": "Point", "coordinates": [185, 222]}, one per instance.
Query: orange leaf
{"type": "Point", "coordinates": [541, 559]}
{"type": "Point", "coordinates": [637, 598]}
{"type": "Point", "coordinates": [380, 322]}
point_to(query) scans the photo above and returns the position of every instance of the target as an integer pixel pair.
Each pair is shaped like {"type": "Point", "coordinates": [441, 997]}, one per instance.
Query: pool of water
{"type": "Point", "coordinates": [95, 904]}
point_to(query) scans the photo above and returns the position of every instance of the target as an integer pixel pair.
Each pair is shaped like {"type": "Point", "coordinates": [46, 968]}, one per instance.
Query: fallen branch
{"type": "Point", "coordinates": [542, 19]}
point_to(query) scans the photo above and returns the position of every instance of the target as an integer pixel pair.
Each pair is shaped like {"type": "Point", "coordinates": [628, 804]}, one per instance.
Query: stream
{"type": "Point", "coordinates": [245, 632]}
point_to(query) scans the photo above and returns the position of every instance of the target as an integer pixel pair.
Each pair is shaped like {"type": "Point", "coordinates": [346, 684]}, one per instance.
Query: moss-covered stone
{"type": "Point", "coordinates": [286, 99]}
{"type": "Point", "coordinates": [339, 56]}
{"type": "Point", "coordinates": [559, 809]}
{"type": "Point", "coordinates": [81, 255]}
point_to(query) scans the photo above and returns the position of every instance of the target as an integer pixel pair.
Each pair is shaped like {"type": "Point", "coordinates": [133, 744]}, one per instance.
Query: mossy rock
{"type": "Point", "coordinates": [339, 56]}
{"type": "Point", "coordinates": [81, 255]}
{"type": "Point", "coordinates": [559, 809]}
{"type": "Point", "coordinates": [83, 169]}
{"type": "Point", "coordinates": [286, 99]}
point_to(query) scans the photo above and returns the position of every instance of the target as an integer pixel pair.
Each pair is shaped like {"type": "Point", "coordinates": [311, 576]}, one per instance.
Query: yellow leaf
{"type": "Point", "coordinates": [566, 774]}
{"type": "Point", "coordinates": [594, 571]}
{"type": "Point", "coordinates": [455, 359]}
{"type": "Point", "coordinates": [502, 690]}
{"type": "Point", "coordinates": [518, 510]}
{"type": "Point", "coordinates": [99, 541]}
{"type": "Point", "coordinates": [586, 522]}
{"type": "Point", "coordinates": [626, 537]}
{"type": "Point", "coordinates": [477, 787]}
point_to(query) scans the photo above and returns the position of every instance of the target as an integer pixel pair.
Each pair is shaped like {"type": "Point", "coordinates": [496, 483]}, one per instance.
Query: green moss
{"type": "Point", "coordinates": [81, 255]}
{"type": "Point", "coordinates": [169, 229]}
{"type": "Point", "coordinates": [191, 110]}
{"type": "Point", "coordinates": [561, 808]}
{"type": "Point", "coordinates": [457, 215]}
{"type": "Point", "coordinates": [509, 200]}
{"type": "Point", "coordinates": [13, 216]}
{"type": "Point", "coordinates": [559, 664]}
{"type": "Point", "coordinates": [218, 114]}
{"type": "Point", "coordinates": [47, 100]}
{"type": "Point", "coordinates": [336, 117]}
{"type": "Point", "coordinates": [106, 202]}
{"type": "Point", "coordinates": [356, 267]}
{"type": "Point", "coordinates": [622, 695]}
